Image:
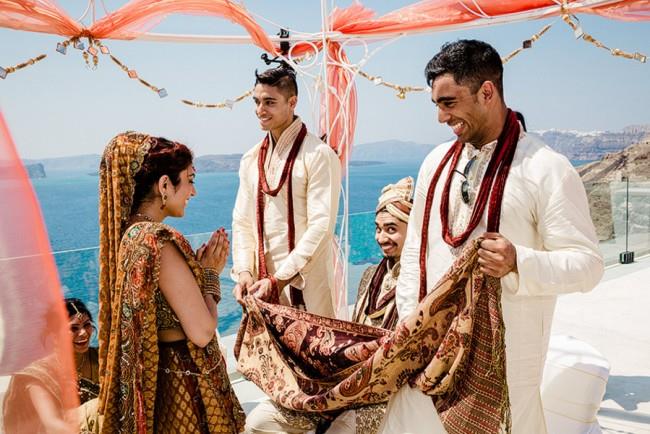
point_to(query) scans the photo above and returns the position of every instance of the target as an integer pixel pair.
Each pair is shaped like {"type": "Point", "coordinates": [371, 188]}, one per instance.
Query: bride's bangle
{"type": "Point", "coordinates": [211, 283]}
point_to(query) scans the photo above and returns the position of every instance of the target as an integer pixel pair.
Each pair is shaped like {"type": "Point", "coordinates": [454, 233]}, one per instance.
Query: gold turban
{"type": "Point", "coordinates": [397, 199]}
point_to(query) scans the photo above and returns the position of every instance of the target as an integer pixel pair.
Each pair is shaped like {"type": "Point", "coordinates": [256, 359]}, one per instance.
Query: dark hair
{"type": "Point", "coordinates": [521, 119]}
{"type": "Point", "coordinates": [75, 307]}
{"type": "Point", "coordinates": [470, 62]}
{"type": "Point", "coordinates": [164, 158]}
{"type": "Point", "coordinates": [283, 77]}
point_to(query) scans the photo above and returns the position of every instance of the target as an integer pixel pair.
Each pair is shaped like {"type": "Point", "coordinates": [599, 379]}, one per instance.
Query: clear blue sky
{"type": "Point", "coordinates": [59, 107]}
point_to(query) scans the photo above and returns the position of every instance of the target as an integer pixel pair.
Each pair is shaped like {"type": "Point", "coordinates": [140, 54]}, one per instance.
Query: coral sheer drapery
{"type": "Point", "coordinates": [138, 16]}
{"type": "Point", "coordinates": [35, 343]}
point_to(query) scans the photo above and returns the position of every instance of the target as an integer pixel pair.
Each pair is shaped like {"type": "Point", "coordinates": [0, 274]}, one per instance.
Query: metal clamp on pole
{"type": "Point", "coordinates": [285, 45]}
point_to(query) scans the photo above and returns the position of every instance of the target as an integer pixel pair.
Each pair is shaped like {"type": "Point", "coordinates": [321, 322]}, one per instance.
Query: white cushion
{"type": "Point", "coordinates": [573, 386]}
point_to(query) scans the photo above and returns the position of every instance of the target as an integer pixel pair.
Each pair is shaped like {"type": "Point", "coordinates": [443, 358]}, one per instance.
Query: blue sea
{"type": "Point", "coordinates": [69, 202]}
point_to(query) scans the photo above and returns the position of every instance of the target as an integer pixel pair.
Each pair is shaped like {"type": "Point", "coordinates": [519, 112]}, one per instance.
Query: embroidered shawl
{"type": "Point", "coordinates": [450, 348]}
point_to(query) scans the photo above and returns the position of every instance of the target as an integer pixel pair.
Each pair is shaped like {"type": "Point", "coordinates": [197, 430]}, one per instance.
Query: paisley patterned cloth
{"type": "Point", "coordinates": [129, 354]}
{"type": "Point", "coordinates": [451, 348]}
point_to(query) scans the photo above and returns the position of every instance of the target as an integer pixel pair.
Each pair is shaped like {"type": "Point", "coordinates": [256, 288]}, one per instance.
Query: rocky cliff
{"type": "Point", "coordinates": [35, 170]}
{"type": "Point", "coordinates": [607, 190]}
{"type": "Point", "coordinates": [217, 163]}
{"type": "Point", "coordinates": [593, 145]}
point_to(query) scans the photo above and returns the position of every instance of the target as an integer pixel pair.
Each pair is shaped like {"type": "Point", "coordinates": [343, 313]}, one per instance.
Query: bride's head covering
{"type": "Point", "coordinates": [121, 161]}
{"type": "Point", "coordinates": [131, 164]}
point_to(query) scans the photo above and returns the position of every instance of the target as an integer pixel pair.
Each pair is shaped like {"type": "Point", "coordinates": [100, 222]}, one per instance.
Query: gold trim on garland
{"type": "Point", "coordinates": [229, 103]}
{"type": "Point", "coordinates": [161, 91]}
{"type": "Point", "coordinates": [10, 69]}
{"type": "Point", "coordinates": [580, 34]}
{"type": "Point", "coordinates": [95, 47]}
{"type": "Point", "coordinates": [401, 90]}
{"type": "Point", "coordinates": [528, 43]}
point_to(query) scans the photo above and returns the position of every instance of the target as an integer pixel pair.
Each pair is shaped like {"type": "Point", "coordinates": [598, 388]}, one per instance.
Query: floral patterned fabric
{"type": "Point", "coordinates": [451, 348]}
{"type": "Point", "coordinates": [120, 163]}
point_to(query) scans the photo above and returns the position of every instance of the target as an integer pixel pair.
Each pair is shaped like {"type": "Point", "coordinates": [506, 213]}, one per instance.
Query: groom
{"type": "Point", "coordinates": [542, 243]}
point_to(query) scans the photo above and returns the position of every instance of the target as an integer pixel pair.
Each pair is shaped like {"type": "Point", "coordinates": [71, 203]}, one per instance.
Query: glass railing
{"type": "Point", "coordinates": [621, 213]}
{"type": "Point", "coordinates": [620, 210]}
{"type": "Point", "coordinates": [79, 270]}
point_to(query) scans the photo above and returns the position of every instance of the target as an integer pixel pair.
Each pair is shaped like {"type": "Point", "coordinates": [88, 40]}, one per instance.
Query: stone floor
{"type": "Point", "coordinates": [615, 319]}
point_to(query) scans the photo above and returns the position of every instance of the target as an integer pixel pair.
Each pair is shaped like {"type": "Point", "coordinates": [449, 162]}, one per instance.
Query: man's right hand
{"type": "Point", "coordinates": [241, 288]}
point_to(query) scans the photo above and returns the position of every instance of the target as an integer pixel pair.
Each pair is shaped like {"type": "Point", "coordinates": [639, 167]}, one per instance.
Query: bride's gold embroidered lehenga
{"type": "Point", "coordinates": [149, 386]}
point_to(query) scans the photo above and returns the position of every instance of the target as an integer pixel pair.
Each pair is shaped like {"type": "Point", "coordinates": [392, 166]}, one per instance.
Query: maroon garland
{"type": "Point", "coordinates": [492, 187]}
{"type": "Point", "coordinates": [262, 189]}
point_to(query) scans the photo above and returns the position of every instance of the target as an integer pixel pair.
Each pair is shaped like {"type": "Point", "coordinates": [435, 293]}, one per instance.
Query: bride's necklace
{"type": "Point", "coordinates": [144, 217]}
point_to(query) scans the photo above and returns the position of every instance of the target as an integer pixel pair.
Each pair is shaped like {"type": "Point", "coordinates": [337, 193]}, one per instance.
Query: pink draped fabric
{"type": "Point", "coordinates": [43, 16]}
{"type": "Point", "coordinates": [127, 22]}
{"type": "Point", "coordinates": [632, 11]}
{"type": "Point", "coordinates": [34, 331]}
{"type": "Point", "coordinates": [138, 16]}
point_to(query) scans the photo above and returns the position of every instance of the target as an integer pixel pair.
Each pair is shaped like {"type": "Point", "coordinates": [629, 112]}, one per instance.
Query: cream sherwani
{"type": "Point", "coordinates": [316, 186]}
{"type": "Point", "coordinates": [546, 216]}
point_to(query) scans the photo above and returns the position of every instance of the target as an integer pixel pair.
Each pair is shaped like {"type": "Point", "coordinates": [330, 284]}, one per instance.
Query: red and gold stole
{"type": "Point", "coordinates": [492, 186]}
{"type": "Point", "coordinates": [376, 307]}
{"type": "Point", "coordinates": [262, 189]}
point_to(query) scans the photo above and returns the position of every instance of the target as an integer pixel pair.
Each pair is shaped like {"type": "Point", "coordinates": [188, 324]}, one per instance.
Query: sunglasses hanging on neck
{"type": "Point", "coordinates": [464, 186]}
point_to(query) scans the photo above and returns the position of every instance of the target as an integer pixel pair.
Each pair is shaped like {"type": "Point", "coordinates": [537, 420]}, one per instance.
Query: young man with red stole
{"type": "Point", "coordinates": [285, 212]}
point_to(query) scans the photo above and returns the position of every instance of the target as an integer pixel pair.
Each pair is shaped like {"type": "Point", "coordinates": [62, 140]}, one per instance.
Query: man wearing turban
{"type": "Point", "coordinates": [375, 304]}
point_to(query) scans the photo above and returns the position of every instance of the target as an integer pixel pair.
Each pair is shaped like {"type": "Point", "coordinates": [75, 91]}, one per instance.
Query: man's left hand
{"type": "Point", "coordinates": [497, 256]}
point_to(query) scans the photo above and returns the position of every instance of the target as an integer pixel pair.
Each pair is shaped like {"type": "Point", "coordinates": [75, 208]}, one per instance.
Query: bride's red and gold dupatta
{"type": "Point", "coordinates": [451, 348]}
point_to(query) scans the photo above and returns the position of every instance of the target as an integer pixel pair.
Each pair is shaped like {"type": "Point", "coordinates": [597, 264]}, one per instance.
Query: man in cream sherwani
{"type": "Point", "coordinates": [315, 181]}
{"type": "Point", "coordinates": [302, 276]}
{"type": "Point", "coordinates": [546, 243]}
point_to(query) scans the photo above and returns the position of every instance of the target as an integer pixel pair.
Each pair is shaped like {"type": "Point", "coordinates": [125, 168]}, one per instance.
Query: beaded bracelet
{"type": "Point", "coordinates": [211, 283]}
